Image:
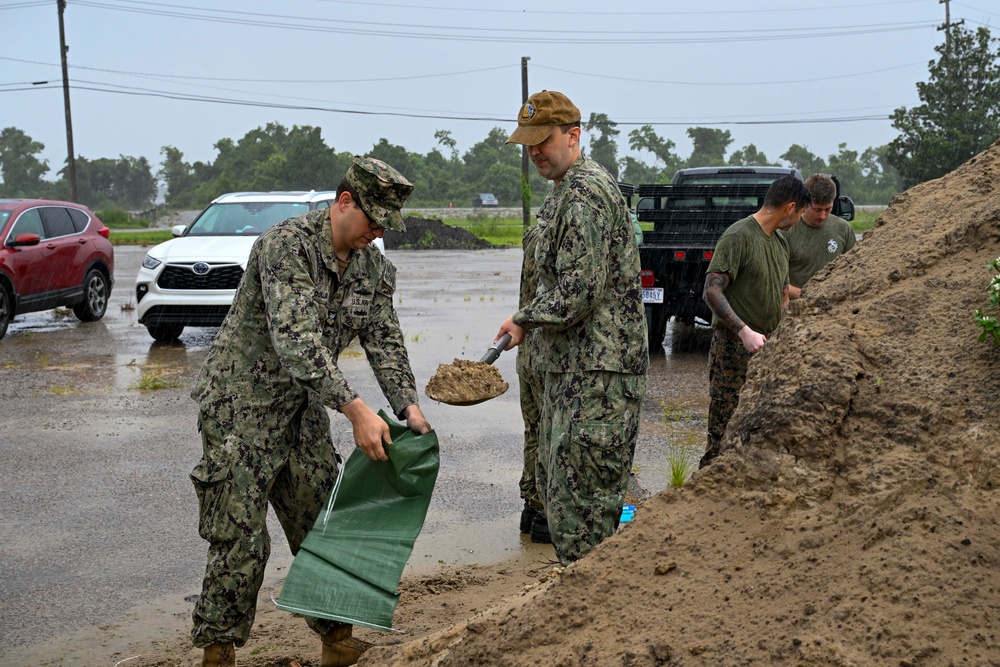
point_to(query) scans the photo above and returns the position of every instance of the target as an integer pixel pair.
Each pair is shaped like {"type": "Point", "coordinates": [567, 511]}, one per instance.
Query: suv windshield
{"type": "Point", "coordinates": [244, 218]}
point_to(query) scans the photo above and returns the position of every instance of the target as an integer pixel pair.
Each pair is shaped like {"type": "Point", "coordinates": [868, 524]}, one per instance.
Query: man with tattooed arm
{"type": "Point", "coordinates": [747, 289]}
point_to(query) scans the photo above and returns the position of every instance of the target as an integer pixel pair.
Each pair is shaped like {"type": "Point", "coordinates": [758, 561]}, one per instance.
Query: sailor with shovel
{"type": "Point", "coordinates": [589, 328]}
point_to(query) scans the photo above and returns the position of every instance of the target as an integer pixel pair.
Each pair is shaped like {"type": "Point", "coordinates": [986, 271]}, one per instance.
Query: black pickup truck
{"type": "Point", "coordinates": [689, 215]}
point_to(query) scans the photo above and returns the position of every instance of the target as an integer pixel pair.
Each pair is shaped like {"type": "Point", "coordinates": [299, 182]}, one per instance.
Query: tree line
{"type": "Point", "coordinates": [959, 116]}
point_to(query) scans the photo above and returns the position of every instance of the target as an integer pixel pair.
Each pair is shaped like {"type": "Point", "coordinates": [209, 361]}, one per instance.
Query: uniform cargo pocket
{"type": "Point", "coordinates": [601, 449]}
{"type": "Point", "coordinates": [634, 386]}
{"type": "Point", "coordinates": [211, 479]}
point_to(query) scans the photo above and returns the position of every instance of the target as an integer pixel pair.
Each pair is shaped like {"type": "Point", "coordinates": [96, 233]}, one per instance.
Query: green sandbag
{"type": "Point", "coordinates": [348, 567]}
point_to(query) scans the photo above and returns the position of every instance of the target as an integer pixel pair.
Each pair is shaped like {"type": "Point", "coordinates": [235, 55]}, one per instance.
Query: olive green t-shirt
{"type": "Point", "coordinates": [757, 265]}
{"type": "Point", "coordinates": [810, 248]}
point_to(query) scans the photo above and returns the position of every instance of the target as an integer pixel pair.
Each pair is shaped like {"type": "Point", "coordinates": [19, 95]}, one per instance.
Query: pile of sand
{"type": "Point", "coordinates": [854, 519]}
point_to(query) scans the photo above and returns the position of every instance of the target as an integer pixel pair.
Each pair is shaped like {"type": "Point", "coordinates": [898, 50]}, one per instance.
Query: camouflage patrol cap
{"type": "Point", "coordinates": [542, 113]}
{"type": "Point", "coordinates": [381, 191]}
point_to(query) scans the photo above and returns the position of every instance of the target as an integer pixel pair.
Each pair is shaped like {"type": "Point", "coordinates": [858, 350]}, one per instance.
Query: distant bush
{"type": "Point", "coordinates": [115, 218]}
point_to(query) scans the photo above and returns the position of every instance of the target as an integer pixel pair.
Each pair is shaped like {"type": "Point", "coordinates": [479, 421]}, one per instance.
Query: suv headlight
{"type": "Point", "coordinates": [150, 262]}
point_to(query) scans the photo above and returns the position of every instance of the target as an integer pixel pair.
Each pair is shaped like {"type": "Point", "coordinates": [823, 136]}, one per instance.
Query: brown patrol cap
{"type": "Point", "coordinates": [542, 113]}
{"type": "Point", "coordinates": [381, 191]}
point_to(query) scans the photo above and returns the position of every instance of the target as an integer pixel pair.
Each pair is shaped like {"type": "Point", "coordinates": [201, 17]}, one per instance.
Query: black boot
{"type": "Point", "coordinates": [528, 515]}
{"type": "Point", "coordinates": [540, 531]}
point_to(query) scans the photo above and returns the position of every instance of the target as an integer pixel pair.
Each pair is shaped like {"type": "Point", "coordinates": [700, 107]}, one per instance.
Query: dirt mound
{"type": "Point", "coordinates": [465, 382]}
{"type": "Point", "coordinates": [854, 519]}
{"type": "Point", "coordinates": [424, 234]}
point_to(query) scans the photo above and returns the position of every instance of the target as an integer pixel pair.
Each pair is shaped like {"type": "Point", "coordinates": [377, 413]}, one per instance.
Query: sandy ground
{"type": "Point", "coordinates": [853, 519]}
{"type": "Point", "coordinates": [101, 558]}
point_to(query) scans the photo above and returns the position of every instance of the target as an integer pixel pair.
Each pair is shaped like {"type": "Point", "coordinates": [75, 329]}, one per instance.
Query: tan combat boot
{"type": "Point", "coordinates": [340, 649]}
{"type": "Point", "coordinates": [219, 655]}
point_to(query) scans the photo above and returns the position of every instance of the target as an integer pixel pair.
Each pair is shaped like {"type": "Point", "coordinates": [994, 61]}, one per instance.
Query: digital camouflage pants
{"type": "Point", "coordinates": [727, 372]}
{"type": "Point", "coordinates": [586, 443]}
{"type": "Point", "coordinates": [532, 386]}
{"type": "Point", "coordinates": [238, 475]}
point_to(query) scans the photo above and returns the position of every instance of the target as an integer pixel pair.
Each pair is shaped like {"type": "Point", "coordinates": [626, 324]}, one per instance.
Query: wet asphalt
{"type": "Point", "coordinates": [97, 512]}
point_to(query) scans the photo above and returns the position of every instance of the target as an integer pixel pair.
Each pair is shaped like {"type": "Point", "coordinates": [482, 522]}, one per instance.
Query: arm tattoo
{"type": "Point", "coordinates": [713, 295]}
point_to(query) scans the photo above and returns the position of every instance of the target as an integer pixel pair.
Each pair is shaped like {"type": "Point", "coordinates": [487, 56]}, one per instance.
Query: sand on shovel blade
{"type": "Point", "coordinates": [465, 382]}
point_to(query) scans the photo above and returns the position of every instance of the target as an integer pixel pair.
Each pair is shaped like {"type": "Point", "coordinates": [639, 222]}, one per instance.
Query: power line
{"type": "Point", "coordinates": [258, 80]}
{"type": "Point", "coordinates": [504, 35]}
{"type": "Point", "coordinates": [21, 5]}
{"type": "Point", "coordinates": [531, 12]}
{"type": "Point", "coordinates": [441, 116]}
{"type": "Point", "coordinates": [727, 83]}
{"type": "Point", "coordinates": [411, 77]}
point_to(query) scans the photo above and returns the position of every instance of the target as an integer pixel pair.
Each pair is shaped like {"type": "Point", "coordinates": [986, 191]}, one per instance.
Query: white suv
{"type": "Point", "coordinates": [191, 280]}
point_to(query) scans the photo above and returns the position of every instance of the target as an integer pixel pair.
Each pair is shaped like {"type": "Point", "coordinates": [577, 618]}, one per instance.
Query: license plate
{"type": "Point", "coordinates": [652, 295]}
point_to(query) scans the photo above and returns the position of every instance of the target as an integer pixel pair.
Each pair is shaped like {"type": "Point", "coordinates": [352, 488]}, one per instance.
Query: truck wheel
{"type": "Point", "coordinates": [656, 327]}
{"type": "Point", "coordinates": [165, 333]}
{"type": "Point", "coordinates": [689, 338]}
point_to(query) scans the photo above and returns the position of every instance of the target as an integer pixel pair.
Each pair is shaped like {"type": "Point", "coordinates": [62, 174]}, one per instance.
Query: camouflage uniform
{"type": "Point", "coordinates": [531, 382]}
{"type": "Point", "coordinates": [591, 344]}
{"type": "Point", "coordinates": [262, 392]}
{"type": "Point", "coordinates": [727, 372]}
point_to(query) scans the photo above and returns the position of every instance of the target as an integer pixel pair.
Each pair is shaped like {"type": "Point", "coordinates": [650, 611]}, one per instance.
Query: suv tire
{"type": "Point", "coordinates": [165, 333]}
{"type": "Point", "coordinates": [6, 309]}
{"type": "Point", "coordinates": [96, 291]}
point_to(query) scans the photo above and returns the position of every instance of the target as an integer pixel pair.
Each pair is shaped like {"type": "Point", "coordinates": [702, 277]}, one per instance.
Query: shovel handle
{"type": "Point", "coordinates": [495, 349]}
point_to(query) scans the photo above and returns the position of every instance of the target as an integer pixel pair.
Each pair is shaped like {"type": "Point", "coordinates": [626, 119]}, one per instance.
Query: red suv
{"type": "Point", "coordinates": [53, 253]}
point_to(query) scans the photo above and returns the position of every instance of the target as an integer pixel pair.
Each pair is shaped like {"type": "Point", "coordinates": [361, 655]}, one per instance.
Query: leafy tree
{"type": "Point", "coordinates": [178, 176]}
{"type": "Point", "coordinates": [645, 138]}
{"type": "Point", "coordinates": [22, 171]}
{"type": "Point", "coordinates": [749, 156]}
{"type": "Point", "coordinates": [302, 162]}
{"type": "Point", "coordinates": [847, 168]}
{"type": "Point", "coordinates": [477, 168]}
{"type": "Point", "coordinates": [127, 182]}
{"type": "Point", "coordinates": [636, 172]}
{"type": "Point", "coordinates": [401, 159]}
{"type": "Point", "coordinates": [445, 139]}
{"type": "Point", "coordinates": [960, 111]}
{"type": "Point", "coordinates": [799, 157]}
{"type": "Point", "coordinates": [881, 181]}
{"type": "Point", "coordinates": [710, 146]}
{"type": "Point", "coordinates": [238, 160]}
{"type": "Point", "coordinates": [603, 146]}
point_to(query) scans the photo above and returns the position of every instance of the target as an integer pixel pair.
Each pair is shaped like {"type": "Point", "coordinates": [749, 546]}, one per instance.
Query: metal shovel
{"type": "Point", "coordinates": [474, 389]}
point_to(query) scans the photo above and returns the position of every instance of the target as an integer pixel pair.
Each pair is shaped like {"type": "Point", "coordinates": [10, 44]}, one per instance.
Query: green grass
{"type": "Point", "coordinates": [114, 218]}
{"type": "Point", "coordinates": [865, 220]}
{"type": "Point", "coordinates": [143, 238]}
{"type": "Point", "coordinates": [505, 232]}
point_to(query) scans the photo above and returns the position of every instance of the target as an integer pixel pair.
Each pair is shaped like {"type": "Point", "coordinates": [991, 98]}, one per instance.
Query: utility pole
{"type": "Point", "coordinates": [70, 159]}
{"type": "Point", "coordinates": [947, 28]}
{"type": "Point", "coordinates": [525, 208]}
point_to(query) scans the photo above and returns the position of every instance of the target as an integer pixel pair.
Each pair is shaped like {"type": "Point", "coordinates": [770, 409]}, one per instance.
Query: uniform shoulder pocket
{"type": "Point", "coordinates": [387, 281]}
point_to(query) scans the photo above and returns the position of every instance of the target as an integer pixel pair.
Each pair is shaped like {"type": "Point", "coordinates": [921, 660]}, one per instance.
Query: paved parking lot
{"type": "Point", "coordinates": [97, 509]}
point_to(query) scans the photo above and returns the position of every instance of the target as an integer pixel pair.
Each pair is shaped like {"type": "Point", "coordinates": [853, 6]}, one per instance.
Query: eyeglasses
{"type": "Point", "coordinates": [372, 225]}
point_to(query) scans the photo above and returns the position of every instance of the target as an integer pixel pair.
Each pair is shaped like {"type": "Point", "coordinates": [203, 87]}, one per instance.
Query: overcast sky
{"type": "Point", "coordinates": [773, 73]}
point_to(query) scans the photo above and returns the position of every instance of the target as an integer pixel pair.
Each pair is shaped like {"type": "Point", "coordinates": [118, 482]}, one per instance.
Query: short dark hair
{"type": "Point", "coordinates": [345, 186]}
{"type": "Point", "coordinates": [822, 188]}
{"type": "Point", "coordinates": [787, 189]}
{"type": "Point", "coordinates": [566, 127]}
